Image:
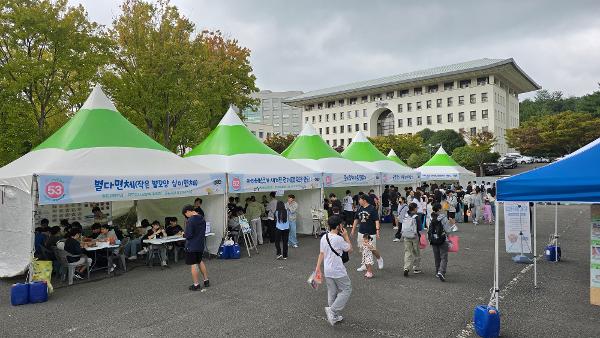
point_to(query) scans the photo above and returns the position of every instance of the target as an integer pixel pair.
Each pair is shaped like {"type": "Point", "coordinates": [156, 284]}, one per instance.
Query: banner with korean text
{"type": "Point", "coordinates": [517, 232]}
{"type": "Point", "coordinates": [239, 183]}
{"type": "Point", "coordinates": [350, 180]}
{"type": "Point", "coordinates": [59, 189]}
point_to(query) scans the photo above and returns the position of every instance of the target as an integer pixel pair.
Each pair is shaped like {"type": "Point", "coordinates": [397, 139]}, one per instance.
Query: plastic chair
{"type": "Point", "coordinates": [70, 267]}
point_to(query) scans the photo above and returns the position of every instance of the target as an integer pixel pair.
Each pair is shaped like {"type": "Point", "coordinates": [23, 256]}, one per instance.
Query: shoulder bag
{"type": "Point", "coordinates": [345, 257]}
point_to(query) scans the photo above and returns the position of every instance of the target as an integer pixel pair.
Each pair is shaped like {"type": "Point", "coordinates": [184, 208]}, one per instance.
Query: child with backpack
{"type": "Point", "coordinates": [367, 255]}
{"type": "Point", "coordinates": [410, 233]}
{"type": "Point", "coordinates": [438, 238]}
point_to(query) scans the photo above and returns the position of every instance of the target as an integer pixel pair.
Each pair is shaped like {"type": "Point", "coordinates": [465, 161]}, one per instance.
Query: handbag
{"type": "Point", "coordinates": [344, 255]}
{"type": "Point", "coordinates": [453, 247]}
{"type": "Point", "coordinates": [422, 241]}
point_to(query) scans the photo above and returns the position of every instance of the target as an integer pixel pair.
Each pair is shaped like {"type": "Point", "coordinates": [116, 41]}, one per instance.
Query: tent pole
{"type": "Point", "coordinates": [35, 202]}
{"type": "Point", "coordinates": [225, 201]}
{"type": "Point", "coordinates": [496, 292]}
{"type": "Point", "coordinates": [556, 223]}
{"type": "Point", "coordinates": [535, 245]}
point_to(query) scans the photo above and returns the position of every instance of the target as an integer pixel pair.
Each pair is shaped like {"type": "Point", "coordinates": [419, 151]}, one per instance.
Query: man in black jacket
{"type": "Point", "coordinates": [195, 233]}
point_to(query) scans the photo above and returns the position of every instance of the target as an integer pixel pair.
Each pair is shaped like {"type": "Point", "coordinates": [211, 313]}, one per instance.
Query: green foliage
{"type": "Point", "coordinates": [477, 152]}
{"type": "Point", "coordinates": [554, 135]}
{"type": "Point", "coordinates": [279, 143]}
{"type": "Point", "coordinates": [426, 134]}
{"type": "Point", "coordinates": [448, 138]}
{"type": "Point", "coordinates": [551, 103]}
{"type": "Point", "coordinates": [49, 54]}
{"type": "Point", "coordinates": [404, 145]}
{"type": "Point", "coordinates": [416, 160]}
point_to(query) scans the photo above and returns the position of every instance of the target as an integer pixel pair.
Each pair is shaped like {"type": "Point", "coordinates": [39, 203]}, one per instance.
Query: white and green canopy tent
{"type": "Point", "coordinates": [363, 152]}
{"type": "Point", "coordinates": [97, 156]}
{"type": "Point", "coordinates": [310, 150]}
{"type": "Point", "coordinates": [442, 168]}
{"type": "Point", "coordinates": [254, 168]}
{"type": "Point", "coordinates": [392, 156]}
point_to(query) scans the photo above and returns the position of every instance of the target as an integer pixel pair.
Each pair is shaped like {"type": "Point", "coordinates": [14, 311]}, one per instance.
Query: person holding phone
{"type": "Point", "coordinates": [339, 287]}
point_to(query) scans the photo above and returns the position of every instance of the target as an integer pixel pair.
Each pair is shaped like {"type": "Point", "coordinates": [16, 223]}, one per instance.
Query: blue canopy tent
{"type": "Point", "coordinates": [575, 178]}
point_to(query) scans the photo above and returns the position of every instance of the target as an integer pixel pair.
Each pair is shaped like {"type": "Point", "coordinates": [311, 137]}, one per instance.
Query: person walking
{"type": "Point", "coordinates": [254, 211]}
{"type": "Point", "coordinates": [410, 233]}
{"type": "Point", "coordinates": [394, 195]}
{"type": "Point", "coordinates": [452, 204]}
{"type": "Point", "coordinates": [339, 287]}
{"type": "Point", "coordinates": [438, 238]}
{"type": "Point", "coordinates": [282, 230]}
{"type": "Point", "coordinates": [368, 217]}
{"type": "Point", "coordinates": [348, 204]}
{"type": "Point", "coordinates": [402, 211]}
{"type": "Point", "coordinates": [195, 232]}
{"type": "Point", "coordinates": [271, 216]}
{"type": "Point", "coordinates": [292, 209]}
{"type": "Point", "coordinates": [477, 201]}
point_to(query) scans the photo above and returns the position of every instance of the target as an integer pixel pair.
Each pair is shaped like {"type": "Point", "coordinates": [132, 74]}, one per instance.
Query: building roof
{"type": "Point", "coordinates": [419, 75]}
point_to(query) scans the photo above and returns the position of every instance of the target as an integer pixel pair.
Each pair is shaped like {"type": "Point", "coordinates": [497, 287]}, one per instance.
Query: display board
{"type": "Point", "coordinates": [80, 212]}
{"type": "Point", "coordinates": [517, 220]}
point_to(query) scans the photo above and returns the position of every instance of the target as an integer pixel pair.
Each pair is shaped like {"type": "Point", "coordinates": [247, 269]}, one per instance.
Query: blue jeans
{"type": "Point", "coordinates": [132, 247]}
{"type": "Point", "coordinates": [292, 238]}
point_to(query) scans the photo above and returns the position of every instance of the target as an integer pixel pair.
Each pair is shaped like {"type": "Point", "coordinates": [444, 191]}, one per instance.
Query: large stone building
{"type": "Point", "coordinates": [468, 97]}
{"type": "Point", "coordinates": [272, 115]}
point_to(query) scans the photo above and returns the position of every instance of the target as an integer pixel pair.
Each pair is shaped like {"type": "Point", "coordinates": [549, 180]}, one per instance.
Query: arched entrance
{"type": "Point", "coordinates": [385, 123]}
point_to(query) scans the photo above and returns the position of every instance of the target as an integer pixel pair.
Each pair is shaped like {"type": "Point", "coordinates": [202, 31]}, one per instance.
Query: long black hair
{"type": "Point", "coordinates": [281, 212]}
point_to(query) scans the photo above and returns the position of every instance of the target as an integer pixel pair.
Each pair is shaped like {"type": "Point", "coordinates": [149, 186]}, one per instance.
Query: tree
{"type": "Point", "coordinates": [279, 143]}
{"type": "Point", "coordinates": [478, 151]}
{"type": "Point", "coordinates": [468, 157]}
{"type": "Point", "coordinates": [173, 84]}
{"type": "Point", "coordinates": [554, 135]}
{"type": "Point", "coordinates": [426, 134]}
{"type": "Point", "coordinates": [448, 138]}
{"type": "Point", "coordinates": [417, 160]}
{"type": "Point", "coordinates": [404, 145]}
{"type": "Point", "coordinates": [49, 54]}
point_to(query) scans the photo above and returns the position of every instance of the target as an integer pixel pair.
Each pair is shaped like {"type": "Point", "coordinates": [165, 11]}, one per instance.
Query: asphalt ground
{"type": "Point", "coordinates": [263, 297]}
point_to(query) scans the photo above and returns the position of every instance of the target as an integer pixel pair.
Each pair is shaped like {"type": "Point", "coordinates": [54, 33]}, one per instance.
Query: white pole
{"type": "Point", "coordinates": [556, 223]}
{"type": "Point", "coordinates": [496, 295]}
{"type": "Point", "coordinates": [535, 245]}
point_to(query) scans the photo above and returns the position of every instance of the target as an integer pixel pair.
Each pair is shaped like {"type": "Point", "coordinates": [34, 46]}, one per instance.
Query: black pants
{"type": "Point", "coordinates": [282, 235]}
{"type": "Point", "coordinates": [349, 217]}
{"type": "Point", "coordinates": [271, 230]}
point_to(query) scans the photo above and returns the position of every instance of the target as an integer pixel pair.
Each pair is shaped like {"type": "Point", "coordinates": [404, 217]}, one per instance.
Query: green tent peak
{"type": "Point", "coordinates": [392, 156]}
{"type": "Point", "coordinates": [362, 150]}
{"type": "Point", "coordinates": [309, 145]}
{"type": "Point", "coordinates": [441, 159]}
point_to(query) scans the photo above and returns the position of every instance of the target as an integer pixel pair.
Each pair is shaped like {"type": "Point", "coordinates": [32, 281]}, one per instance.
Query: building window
{"type": "Point", "coordinates": [409, 122]}
{"type": "Point", "coordinates": [484, 129]}
{"type": "Point", "coordinates": [335, 143]}
{"type": "Point", "coordinates": [473, 131]}
{"type": "Point", "coordinates": [313, 119]}
{"type": "Point", "coordinates": [439, 119]}
{"type": "Point", "coordinates": [306, 119]}
{"type": "Point", "coordinates": [450, 118]}
{"type": "Point", "coordinates": [341, 115]}
{"type": "Point", "coordinates": [342, 142]}
{"type": "Point", "coordinates": [261, 134]}
{"type": "Point", "coordinates": [403, 93]}
{"type": "Point", "coordinates": [326, 130]}
{"type": "Point", "coordinates": [330, 104]}
{"type": "Point", "coordinates": [400, 108]}
{"type": "Point", "coordinates": [334, 115]}
{"type": "Point", "coordinates": [418, 91]}
{"type": "Point", "coordinates": [341, 129]}
{"type": "Point", "coordinates": [320, 118]}
{"type": "Point", "coordinates": [364, 126]}
{"type": "Point", "coordinates": [473, 115]}
{"type": "Point", "coordinates": [349, 115]}
{"type": "Point", "coordinates": [409, 106]}
{"type": "Point", "coordinates": [352, 100]}
{"type": "Point", "coordinates": [449, 102]}
{"type": "Point", "coordinates": [327, 141]}
{"type": "Point", "coordinates": [266, 117]}
{"type": "Point", "coordinates": [483, 97]}
{"type": "Point", "coordinates": [364, 99]}
{"type": "Point", "coordinates": [309, 107]}
{"type": "Point", "coordinates": [320, 131]}
{"type": "Point", "coordinates": [349, 128]}
{"type": "Point", "coordinates": [472, 98]}
{"type": "Point", "coordinates": [341, 102]}
{"type": "Point", "coordinates": [438, 103]}
{"type": "Point", "coordinates": [461, 100]}
{"type": "Point", "coordinates": [419, 121]}
{"type": "Point", "coordinates": [428, 120]}
{"type": "Point", "coordinates": [335, 130]}
{"type": "Point", "coordinates": [356, 127]}
{"type": "Point", "coordinates": [419, 105]}
{"type": "Point", "coordinates": [482, 81]}
{"type": "Point", "coordinates": [465, 83]}
{"type": "Point", "coordinates": [428, 104]}
{"type": "Point", "coordinates": [326, 117]}
{"type": "Point", "coordinates": [449, 85]}
{"type": "Point", "coordinates": [432, 89]}
{"type": "Point", "coordinates": [399, 123]}
{"type": "Point", "coordinates": [319, 106]}
{"type": "Point", "coordinates": [484, 114]}
{"type": "Point", "coordinates": [356, 113]}
{"type": "Point", "coordinates": [389, 95]}
{"type": "Point", "coordinates": [349, 141]}
{"type": "Point", "coordinates": [461, 116]}
{"type": "Point", "coordinates": [364, 113]}
{"type": "Point", "coordinates": [376, 97]}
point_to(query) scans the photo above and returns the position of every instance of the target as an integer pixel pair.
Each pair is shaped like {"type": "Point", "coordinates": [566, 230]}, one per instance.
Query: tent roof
{"type": "Point", "coordinates": [231, 137]}
{"type": "Point", "coordinates": [97, 141]}
{"type": "Point", "coordinates": [309, 145]}
{"type": "Point", "coordinates": [361, 149]}
{"type": "Point", "coordinates": [441, 158]}
{"type": "Point", "coordinates": [392, 156]}
{"type": "Point", "coordinates": [443, 167]}
{"type": "Point", "coordinates": [573, 179]}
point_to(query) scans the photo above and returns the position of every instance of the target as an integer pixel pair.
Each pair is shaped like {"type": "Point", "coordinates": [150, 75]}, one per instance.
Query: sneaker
{"type": "Point", "coordinates": [339, 318]}
{"type": "Point", "coordinates": [132, 258]}
{"type": "Point", "coordinates": [112, 268]}
{"type": "Point", "coordinates": [417, 271]}
{"type": "Point", "coordinates": [279, 257]}
{"type": "Point", "coordinates": [295, 246]}
{"type": "Point", "coordinates": [395, 228]}
{"type": "Point", "coordinates": [441, 277]}
{"type": "Point", "coordinates": [163, 263]}
{"type": "Point", "coordinates": [362, 268]}
{"type": "Point", "coordinates": [77, 276]}
{"type": "Point", "coordinates": [206, 283]}
{"type": "Point", "coordinates": [194, 287]}
{"type": "Point", "coordinates": [330, 316]}
{"type": "Point", "coordinates": [380, 263]}
{"type": "Point", "coordinates": [369, 275]}
{"type": "Point", "coordinates": [143, 252]}
{"type": "Point", "coordinates": [284, 258]}
{"type": "Point", "coordinates": [405, 272]}
{"type": "Point", "coordinates": [396, 240]}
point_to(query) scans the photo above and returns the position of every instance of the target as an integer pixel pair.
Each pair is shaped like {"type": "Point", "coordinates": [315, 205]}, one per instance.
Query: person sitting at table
{"type": "Point", "coordinates": [198, 206]}
{"type": "Point", "coordinates": [172, 227]}
{"type": "Point", "coordinates": [95, 230]}
{"type": "Point", "coordinates": [53, 238]}
{"type": "Point", "coordinates": [73, 247]}
{"type": "Point", "coordinates": [233, 223]}
{"type": "Point", "coordinates": [40, 238]}
{"type": "Point", "coordinates": [106, 235]}
{"type": "Point", "coordinates": [157, 232]}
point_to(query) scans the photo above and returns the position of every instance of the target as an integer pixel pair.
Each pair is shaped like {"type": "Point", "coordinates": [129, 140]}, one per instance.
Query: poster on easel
{"type": "Point", "coordinates": [80, 212]}
{"type": "Point", "coordinates": [517, 231]}
{"type": "Point", "coordinates": [595, 255]}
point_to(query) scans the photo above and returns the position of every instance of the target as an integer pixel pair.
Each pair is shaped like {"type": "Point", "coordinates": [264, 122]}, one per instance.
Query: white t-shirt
{"type": "Point", "coordinates": [348, 203]}
{"type": "Point", "coordinates": [333, 266]}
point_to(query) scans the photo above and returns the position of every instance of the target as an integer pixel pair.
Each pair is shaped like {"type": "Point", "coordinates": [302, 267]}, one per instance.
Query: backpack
{"type": "Point", "coordinates": [436, 233]}
{"type": "Point", "coordinates": [409, 226]}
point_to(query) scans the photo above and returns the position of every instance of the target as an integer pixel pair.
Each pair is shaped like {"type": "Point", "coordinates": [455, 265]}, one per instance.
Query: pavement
{"type": "Point", "coordinates": [264, 297]}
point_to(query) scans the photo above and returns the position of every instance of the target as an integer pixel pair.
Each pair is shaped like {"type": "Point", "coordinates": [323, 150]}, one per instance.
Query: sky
{"type": "Point", "coordinates": [309, 45]}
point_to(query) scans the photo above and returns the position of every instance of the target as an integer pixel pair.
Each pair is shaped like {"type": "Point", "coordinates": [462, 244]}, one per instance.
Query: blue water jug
{"type": "Point", "coordinates": [227, 252]}
{"type": "Point", "coordinates": [19, 294]}
{"type": "Point", "coordinates": [38, 292]}
{"type": "Point", "coordinates": [552, 253]}
{"type": "Point", "coordinates": [487, 321]}
{"type": "Point", "coordinates": [236, 251]}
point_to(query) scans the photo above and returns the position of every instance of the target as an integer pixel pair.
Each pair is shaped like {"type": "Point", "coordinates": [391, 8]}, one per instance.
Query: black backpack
{"type": "Point", "coordinates": [436, 233]}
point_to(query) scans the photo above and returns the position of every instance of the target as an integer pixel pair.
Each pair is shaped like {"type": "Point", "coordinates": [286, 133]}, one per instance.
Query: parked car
{"type": "Point", "coordinates": [492, 169]}
{"type": "Point", "coordinates": [508, 163]}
